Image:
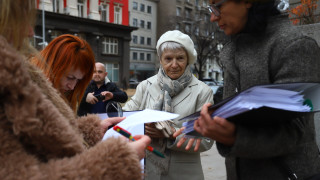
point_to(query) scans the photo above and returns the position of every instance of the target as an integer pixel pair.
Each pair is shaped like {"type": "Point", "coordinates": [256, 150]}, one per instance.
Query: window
{"type": "Point", "coordinates": [205, 3]}
{"type": "Point", "coordinates": [80, 7]}
{"type": "Point", "coordinates": [141, 40]}
{"type": "Point", "coordinates": [117, 15]}
{"type": "Point", "coordinates": [109, 45]}
{"type": "Point", "coordinates": [135, 39]}
{"type": "Point", "coordinates": [113, 72]}
{"type": "Point", "coordinates": [207, 32]}
{"type": "Point", "coordinates": [149, 25]}
{"type": "Point", "coordinates": [142, 23]}
{"type": "Point", "coordinates": [188, 13]}
{"type": "Point", "coordinates": [142, 56]}
{"type": "Point", "coordinates": [197, 2]}
{"type": "Point", "coordinates": [135, 6]}
{"type": "Point", "coordinates": [104, 12]}
{"type": "Point", "coordinates": [135, 56]}
{"type": "Point", "coordinates": [55, 33]}
{"type": "Point", "coordinates": [177, 26]}
{"type": "Point", "coordinates": [188, 28]}
{"type": "Point", "coordinates": [206, 18]}
{"type": "Point", "coordinates": [148, 41]}
{"type": "Point", "coordinates": [135, 22]}
{"type": "Point", "coordinates": [196, 16]}
{"type": "Point", "coordinates": [196, 31]}
{"type": "Point", "coordinates": [178, 11]}
{"type": "Point", "coordinates": [148, 57]}
{"type": "Point", "coordinates": [149, 10]}
{"type": "Point", "coordinates": [142, 7]}
{"type": "Point", "coordinates": [56, 6]}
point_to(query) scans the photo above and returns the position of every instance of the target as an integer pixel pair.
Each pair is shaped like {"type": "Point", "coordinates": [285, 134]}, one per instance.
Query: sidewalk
{"type": "Point", "coordinates": [213, 165]}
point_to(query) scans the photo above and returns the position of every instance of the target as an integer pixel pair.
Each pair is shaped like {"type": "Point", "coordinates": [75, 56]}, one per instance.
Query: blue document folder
{"type": "Point", "coordinates": [264, 105]}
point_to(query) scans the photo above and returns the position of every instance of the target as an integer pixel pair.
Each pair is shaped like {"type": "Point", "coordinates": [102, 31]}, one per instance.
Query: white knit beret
{"type": "Point", "coordinates": [181, 38]}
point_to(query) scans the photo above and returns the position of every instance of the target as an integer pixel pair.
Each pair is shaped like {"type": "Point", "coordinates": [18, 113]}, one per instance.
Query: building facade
{"type": "Point", "coordinates": [143, 15]}
{"type": "Point", "coordinates": [104, 24]}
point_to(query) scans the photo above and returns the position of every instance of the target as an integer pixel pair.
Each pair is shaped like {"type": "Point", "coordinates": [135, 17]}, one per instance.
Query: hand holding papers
{"type": "Point", "coordinates": [135, 122]}
{"type": "Point", "coordinates": [128, 135]}
{"type": "Point", "coordinates": [265, 104]}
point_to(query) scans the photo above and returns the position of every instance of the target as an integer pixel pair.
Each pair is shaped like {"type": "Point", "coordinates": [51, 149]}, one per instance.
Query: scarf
{"type": "Point", "coordinates": [169, 89]}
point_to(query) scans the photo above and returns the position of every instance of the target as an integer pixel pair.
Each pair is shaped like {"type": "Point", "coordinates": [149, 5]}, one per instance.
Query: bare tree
{"type": "Point", "coordinates": [206, 44]}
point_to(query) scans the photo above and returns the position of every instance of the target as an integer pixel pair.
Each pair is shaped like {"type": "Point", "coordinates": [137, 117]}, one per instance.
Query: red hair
{"type": "Point", "coordinates": [63, 54]}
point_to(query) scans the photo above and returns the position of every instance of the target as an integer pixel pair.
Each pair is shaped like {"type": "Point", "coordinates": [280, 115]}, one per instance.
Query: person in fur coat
{"type": "Point", "coordinates": [39, 134]}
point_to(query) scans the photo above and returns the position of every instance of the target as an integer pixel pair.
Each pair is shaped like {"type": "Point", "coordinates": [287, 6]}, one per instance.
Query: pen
{"type": "Point", "coordinates": [129, 136]}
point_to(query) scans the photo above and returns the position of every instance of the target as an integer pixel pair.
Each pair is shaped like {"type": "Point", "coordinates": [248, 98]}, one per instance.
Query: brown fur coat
{"type": "Point", "coordinates": [40, 138]}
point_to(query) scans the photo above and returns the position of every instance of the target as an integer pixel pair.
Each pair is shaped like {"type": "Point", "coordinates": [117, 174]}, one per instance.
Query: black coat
{"type": "Point", "coordinates": [118, 96]}
{"type": "Point", "coordinates": [280, 55]}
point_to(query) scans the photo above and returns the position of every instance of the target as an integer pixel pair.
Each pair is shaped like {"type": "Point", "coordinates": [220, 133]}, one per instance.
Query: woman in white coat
{"type": "Point", "coordinates": [174, 89]}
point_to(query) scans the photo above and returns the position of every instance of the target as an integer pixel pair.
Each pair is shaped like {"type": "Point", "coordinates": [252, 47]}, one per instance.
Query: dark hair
{"type": "Point", "coordinates": [258, 16]}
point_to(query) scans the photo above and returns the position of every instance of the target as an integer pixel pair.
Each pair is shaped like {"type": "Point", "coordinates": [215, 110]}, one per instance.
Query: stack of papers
{"type": "Point", "coordinates": [265, 103]}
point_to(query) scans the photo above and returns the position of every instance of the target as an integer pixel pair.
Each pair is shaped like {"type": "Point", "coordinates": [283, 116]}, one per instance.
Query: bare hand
{"type": "Point", "coordinates": [107, 95]}
{"type": "Point", "coordinates": [190, 140]}
{"type": "Point", "coordinates": [140, 145]}
{"type": "Point", "coordinates": [152, 131]}
{"type": "Point", "coordinates": [109, 122]}
{"type": "Point", "coordinates": [91, 99]}
{"type": "Point", "coordinates": [216, 128]}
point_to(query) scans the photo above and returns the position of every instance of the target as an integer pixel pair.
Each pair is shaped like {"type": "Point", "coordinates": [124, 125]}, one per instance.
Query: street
{"type": "Point", "coordinates": [213, 165]}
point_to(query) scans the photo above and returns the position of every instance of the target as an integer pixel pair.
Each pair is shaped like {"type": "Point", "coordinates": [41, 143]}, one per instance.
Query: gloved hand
{"type": "Point", "coordinates": [166, 127]}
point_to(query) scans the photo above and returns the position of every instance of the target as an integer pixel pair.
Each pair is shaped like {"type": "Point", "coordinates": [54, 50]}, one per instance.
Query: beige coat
{"type": "Point", "coordinates": [40, 137]}
{"type": "Point", "coordinates": [183, 164]}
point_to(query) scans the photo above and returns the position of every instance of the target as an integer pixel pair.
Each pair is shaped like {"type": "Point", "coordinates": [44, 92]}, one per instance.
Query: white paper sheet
{"type": "Point", "coordinates": [134, 122]}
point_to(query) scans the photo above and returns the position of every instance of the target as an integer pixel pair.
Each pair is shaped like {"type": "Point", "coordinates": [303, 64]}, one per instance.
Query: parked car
{"type": "Point", "coordinates": [209, 81]}
{"type": "Point", "coordinates": [214, 88]}
{"type": "Point", "coordinates": [220, 83]}
{"type": "Point", "coordinates": [133, 83]}
{"type": "Point", "coordinates": [218, 96]}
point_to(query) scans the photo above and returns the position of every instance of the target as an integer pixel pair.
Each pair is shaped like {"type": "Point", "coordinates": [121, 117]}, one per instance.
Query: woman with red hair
{"type": "Point", "coordinates": [68, 62]}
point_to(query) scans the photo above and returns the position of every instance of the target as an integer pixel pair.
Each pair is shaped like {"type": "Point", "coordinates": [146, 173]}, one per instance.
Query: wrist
{"type": "Point", "coordinates": [173, 130]}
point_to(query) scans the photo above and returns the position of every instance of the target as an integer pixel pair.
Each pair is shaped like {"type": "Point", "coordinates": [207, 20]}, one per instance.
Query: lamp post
{"type": "Point", "coordinates": [43, 27]}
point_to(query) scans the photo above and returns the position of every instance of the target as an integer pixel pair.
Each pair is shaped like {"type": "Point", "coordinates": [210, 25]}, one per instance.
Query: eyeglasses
{"type": "Point", "coordinates": [215, 8]}
{"type": "Point", "coordinates": [114, 109]}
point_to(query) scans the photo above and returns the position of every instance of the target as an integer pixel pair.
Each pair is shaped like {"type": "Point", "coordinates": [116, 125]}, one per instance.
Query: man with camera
{"type": "Point", "coordinates": [98, 93]}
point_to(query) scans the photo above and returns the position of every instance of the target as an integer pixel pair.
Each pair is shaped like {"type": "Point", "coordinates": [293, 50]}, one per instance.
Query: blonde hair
{"type": "Point", "coordinates": [15, 18]}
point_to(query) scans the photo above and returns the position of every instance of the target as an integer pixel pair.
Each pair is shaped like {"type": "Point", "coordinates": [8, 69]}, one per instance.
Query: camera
{"type": "Point", "coordinates": [100, 97]}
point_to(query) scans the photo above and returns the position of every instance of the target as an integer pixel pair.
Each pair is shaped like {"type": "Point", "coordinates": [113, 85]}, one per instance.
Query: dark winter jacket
{"type": "Point", "coordinates": [100, 107]}
{"type": "Point", "coordinates": [279, 55]}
